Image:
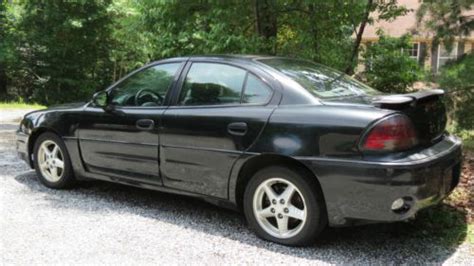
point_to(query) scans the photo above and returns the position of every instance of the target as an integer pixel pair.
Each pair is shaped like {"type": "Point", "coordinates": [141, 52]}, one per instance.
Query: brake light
{"type": "Point", "coordinates": [395, 133]}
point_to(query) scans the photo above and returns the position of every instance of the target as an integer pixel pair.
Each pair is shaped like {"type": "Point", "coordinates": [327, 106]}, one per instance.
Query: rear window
{"type": "Point", "coordinates": [321, 81]}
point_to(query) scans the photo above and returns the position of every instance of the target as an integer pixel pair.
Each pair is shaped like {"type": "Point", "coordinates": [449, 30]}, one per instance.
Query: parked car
{"type": "Point", "coordinates": [295, 145]}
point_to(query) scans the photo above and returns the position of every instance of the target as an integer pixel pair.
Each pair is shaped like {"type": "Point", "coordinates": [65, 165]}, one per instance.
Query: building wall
{"type": "Point", "coordinates": [428, 52]}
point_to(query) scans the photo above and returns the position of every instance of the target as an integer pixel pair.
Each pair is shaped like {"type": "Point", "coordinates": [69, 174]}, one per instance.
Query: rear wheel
{"type": "Point", "coordinates": [284, 206]}
{"type": "Point", "coordinates": [52, 162]}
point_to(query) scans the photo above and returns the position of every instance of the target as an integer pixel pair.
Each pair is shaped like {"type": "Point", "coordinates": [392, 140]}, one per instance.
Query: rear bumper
{"type": "Point", "coordinates": [362, 191]}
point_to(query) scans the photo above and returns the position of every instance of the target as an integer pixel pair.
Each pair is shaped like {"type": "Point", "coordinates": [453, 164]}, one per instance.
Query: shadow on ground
{"type": "Point", "coordinates": [432, 237]}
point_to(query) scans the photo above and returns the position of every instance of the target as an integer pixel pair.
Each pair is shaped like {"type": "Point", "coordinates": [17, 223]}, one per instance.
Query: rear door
{"type": "Point", "coordinates": [218, 113]}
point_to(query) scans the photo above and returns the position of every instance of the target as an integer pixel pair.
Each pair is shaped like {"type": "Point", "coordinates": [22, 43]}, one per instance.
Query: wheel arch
{"type": "Point", "coordinates": [256, 163]}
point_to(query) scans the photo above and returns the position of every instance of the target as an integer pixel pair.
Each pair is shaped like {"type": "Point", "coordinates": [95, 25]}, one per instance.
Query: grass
{"type": "Point", "coordinates": [444, 223]}
{"type": "Point", "coordinates": [20, 105]}
{"type": "Point", "coordinates": [469, 141]}
{"type": "Point", "coordinates": [470, 234]}
{"type": "Point", "coordinates": [467, 136]}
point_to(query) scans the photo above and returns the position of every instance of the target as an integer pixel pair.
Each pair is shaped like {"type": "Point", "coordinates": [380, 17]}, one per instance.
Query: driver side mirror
{"type": "Point", "coordinates": [101, 99]}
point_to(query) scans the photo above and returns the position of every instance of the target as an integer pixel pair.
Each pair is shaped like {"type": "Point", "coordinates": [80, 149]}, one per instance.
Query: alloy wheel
{"type": "Point", "coordinates": [51, 161]}
{"type": "Point", "coordinates": [279, 208]}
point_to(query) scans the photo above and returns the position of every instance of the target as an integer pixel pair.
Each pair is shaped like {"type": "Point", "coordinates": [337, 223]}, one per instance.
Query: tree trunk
{"type": "Point", "coordinates": [355, 49]}
{"type": "Point", "coordinates": [3, 83]}
{"type": "Point", "coordinates": [314, 31]}
{"type": "Point", "coordinates": [266, 20]}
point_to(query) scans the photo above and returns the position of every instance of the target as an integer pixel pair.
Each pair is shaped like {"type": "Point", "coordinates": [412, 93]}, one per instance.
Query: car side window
{"type": "Point", "coordinates": [256, 91]}
{"type": "Point", "coordinates": [212, 84]}
{"type": "Point", "coordinates": [145, 88]}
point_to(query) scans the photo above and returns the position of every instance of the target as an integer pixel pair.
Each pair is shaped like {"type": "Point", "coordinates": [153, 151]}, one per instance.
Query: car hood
{"type": "Point", "coordinates": [67, 106]}
{"type": "Point", "coordinates": [60, 107]}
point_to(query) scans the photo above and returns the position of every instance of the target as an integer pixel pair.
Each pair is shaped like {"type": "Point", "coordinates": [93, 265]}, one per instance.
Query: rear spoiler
{"type": "Point", "coordinates": [400, 101]}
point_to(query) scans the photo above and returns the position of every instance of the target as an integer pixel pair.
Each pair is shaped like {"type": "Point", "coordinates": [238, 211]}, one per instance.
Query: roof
{"type": "Point", "coordinates": [232, 56]}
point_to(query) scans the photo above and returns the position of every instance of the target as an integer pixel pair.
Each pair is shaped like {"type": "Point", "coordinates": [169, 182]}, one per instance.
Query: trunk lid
{"type": "Point", "coordinates": [425, 108]}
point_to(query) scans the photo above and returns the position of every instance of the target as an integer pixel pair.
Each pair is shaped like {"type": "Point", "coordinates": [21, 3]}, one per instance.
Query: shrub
{"type": "Point", "coordinates": [457, 79]}
{"type": "Point", "coordinates": [388, 67]}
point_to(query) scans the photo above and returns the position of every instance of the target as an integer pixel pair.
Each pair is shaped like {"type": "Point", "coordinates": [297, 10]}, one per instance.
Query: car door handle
{"type": "Point", "coordinates": [237, 128]}
{"type": "Point", "coordinates": [145, 124]}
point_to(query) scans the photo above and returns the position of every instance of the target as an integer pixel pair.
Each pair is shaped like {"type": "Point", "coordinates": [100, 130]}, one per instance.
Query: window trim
{"type": "Point", "coordinates": [174, 102]}
{"type": "Point", "coordinates": [417, 51]}
{"type": "Point", "coordinates": [455, 50]}
{"type": "Point", "coordinates": [417, 57]}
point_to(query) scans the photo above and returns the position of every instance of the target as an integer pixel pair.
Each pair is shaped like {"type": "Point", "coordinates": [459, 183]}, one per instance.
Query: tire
{"type": "Point", "coordinates": [304, 224]}
{"type": "Point", "coordinates": [64, 177]}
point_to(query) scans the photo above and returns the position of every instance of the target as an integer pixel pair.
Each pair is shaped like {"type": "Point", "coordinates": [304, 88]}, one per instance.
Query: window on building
{"type": "Point", "coordinates": [444, 55]}
{"type": "Point", "coordinates": [414, 51]}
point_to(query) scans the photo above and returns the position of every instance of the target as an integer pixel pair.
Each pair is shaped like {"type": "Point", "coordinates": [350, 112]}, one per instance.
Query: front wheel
{"type": "Point", "coordinates": [285, 206]}
{"type": "Point", "coordinates": [52, 162]}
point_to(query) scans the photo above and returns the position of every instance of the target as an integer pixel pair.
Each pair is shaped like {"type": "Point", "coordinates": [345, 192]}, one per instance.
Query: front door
{"type": "Point", "coordinates": [123, 142]}
{"type": "Point", "coordinates": [220, 111]}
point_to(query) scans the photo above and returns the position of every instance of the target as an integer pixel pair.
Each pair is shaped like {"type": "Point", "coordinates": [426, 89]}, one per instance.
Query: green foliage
{"type": "Point", "coordinates": [319, 30]}
{"type": "Point", "coordinates": [458, 80]}
{"type": "Point", "coordinates": [62, 49]}
{"type": "Point", "coordinates": [448, 19]}
{"type": "Point", "coordinates": [388, 67]}
{"type": "Point", "coordinates": [466, 135]}
{"type": "Point", "coordinates": [199, 27]}
{"type": "Point", "coordinates": [129, 46]}
{"type": "Point", "coordinates": [8, 57]}
{"type": "Point", "coordinates": [20, 105]}
{"type": "Point", "coordinates": [59, 51]}
{"type": "Point", "coordinates": [443, 222]}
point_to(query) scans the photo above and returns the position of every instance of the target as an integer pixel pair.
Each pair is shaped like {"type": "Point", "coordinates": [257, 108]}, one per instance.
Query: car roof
{"type": "Point", "coordinates": [232, 56]}
{"type": "Point", "coordinates": [239, 57]}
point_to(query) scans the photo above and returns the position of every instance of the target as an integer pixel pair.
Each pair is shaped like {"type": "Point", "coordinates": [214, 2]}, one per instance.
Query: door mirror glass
{"type": "Point", "coordinates": [100, 99]}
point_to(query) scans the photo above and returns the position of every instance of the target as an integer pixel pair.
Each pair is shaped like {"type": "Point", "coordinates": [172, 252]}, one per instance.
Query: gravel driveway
{"type": "Point", "coordinates": [107, 223]}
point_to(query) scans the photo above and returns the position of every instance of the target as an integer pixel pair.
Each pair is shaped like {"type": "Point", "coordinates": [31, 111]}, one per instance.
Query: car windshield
{"type": "Point", "coordinates": [321, 81]}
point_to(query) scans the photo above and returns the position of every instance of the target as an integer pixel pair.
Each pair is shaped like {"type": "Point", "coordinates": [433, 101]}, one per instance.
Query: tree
{"type": "Point", "coordinates": [130, 45]}
{"type": "Point", "coordinates": [64, 50]}
{"type": "Point", "coordinates": [66, 46]}
{"type": "Point", "coordinates": [388, 67]}
{"type": "Point", "coordinates": [199, 27]}
{"type": "Point", "coordinates": [317, 30]}
{"type": "Point", "coordinates": [447, 19]}
{"type": "Point", "coordinates": [266, 22]}
{"type": "Point", "coordinates": [458, 81]}
{"type": "Point", "coordinates": [5, 50]}
{"type": "Point", "coordinates": [387, 10]}
{"type": "Point", "coordinates": [3, 75]}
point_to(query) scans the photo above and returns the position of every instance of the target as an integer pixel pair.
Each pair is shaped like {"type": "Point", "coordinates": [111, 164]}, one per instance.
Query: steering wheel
{"type": "Point", "coordinates": [156, 97]}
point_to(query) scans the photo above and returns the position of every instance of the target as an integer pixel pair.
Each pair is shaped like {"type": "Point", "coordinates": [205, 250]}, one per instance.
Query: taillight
{"type": "Point", "coordinates": [395, 133]}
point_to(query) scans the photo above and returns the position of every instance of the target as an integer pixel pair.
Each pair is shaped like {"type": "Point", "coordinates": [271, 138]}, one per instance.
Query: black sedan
{"type": "Point", "coordinates": [296, 145]}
